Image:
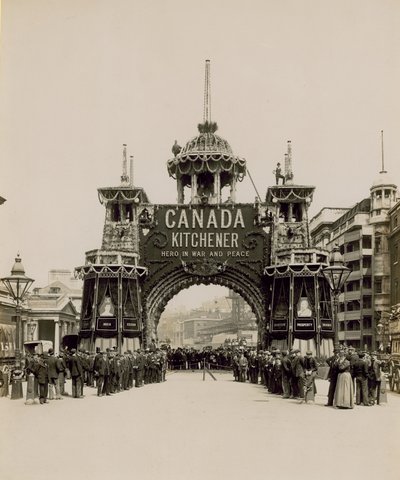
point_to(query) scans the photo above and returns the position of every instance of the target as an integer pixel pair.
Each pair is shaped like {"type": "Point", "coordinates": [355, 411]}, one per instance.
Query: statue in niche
{"type": "Point", "coordinates": [304, 308]}
{"type": "Point", "coordinates": [281, 310]}
{"type": "Point", "coordinates": [106, 308]}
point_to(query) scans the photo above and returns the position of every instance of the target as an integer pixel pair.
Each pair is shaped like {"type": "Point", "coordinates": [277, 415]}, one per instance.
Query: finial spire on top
{"type": "Point", "coordinates": [207, 94]}
{"type": "Point", "coordinates": [124, 176]}
{"type": "Point", "coordinates": [288, 163]}
{"type": "Point", "coordinates": [383, 155]}
{"type": "Point", "coordinates": [207, 126]}
{"type": "Point", "coordinates": [131, 171]}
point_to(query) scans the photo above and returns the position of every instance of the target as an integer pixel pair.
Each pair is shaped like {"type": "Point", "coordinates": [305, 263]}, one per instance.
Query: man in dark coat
{"type": "Point", "coordinates": [54, 387]}
{"type": "Point", "coordinates": [100, 370]}
{"type": "Point", "coordinates": [76, 369]}
{"type": "Point", "coordinates": [42, 375]}
{"type": "Point", "coordinates": [106, 390]}
{"type": "Point", "coordinates": [360, 370]}
{"type": "Point", "coordinates": [332, 376]}
{"type": "Point", "coordinates": [61, 369]}
{"type": "Point", "coordinates": [310, 372]}
{"type": "Point", "coordinates": [298, 373]}
{"type": "Point", "coordinates": [286, 374]}
{"type": "Point", "coordinates": [374, 379]}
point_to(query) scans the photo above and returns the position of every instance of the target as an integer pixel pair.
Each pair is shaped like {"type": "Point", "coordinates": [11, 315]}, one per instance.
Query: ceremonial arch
{"type": "Point", "coordinates": [261, 250]}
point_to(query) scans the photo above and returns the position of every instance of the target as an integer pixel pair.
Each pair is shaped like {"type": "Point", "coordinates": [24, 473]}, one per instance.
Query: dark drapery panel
{"type": "Point", "coordinates": [280, 305]}
{"type": "Point", "coordinates": [87, 300]}
{"type": "Point", "coordinates": [280, 309]}
{"type": "Point", "coordinates": [101, 293]}
{"type": "Point", "coordinates": [297, 291]}
{"type": "Point", "coordinates": [113, 290]}
{"type": "Point", "coordinates": [309, 288]}
{"type": "Point", "coordinates": [326, 309]}
{"type": "Point", "coordinates": [130, 307]}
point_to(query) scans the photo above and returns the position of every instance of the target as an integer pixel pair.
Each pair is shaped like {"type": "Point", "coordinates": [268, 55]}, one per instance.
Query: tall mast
{"type": "Point", "coordinates": [383, 154]}
{"type": "Point", "coordinates": [207, 94]}
{"type": "Point", "coordinates": [124, 176]}
{"type": "Point", "coordinates": [288, 163]}
{"type": "Point", "coordinates": [131, 171]}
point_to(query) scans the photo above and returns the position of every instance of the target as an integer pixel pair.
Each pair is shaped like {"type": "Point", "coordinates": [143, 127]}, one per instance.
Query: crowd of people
{"type": "Point", "coordinates": [354, 377]}
{"type": "Point", "coordinates": [108, 371]}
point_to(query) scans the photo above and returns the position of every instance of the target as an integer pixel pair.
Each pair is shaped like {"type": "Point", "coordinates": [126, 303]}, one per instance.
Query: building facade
{"type": "Point", "coordinates": [362, 234]}
{"type": "Point", "coordinates": [48, 313]}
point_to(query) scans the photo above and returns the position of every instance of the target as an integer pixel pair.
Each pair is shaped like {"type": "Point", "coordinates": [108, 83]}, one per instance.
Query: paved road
{"type": "Point", "coordinates": [190, 429]}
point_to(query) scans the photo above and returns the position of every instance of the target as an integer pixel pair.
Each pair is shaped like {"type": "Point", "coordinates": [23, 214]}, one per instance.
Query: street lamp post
{"type": "Point", "coordinates": [17, 285]}
{"type": "Point", "coordinates": [336, 275]}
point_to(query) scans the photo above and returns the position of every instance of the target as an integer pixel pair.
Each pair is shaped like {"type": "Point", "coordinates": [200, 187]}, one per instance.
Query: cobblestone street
{"type": "Point", "coordinates": [187, 428]}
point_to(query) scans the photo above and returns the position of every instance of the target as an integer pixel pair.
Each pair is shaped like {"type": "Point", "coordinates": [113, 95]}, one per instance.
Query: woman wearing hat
{"type": "Point", "coordinates": [344, 393]}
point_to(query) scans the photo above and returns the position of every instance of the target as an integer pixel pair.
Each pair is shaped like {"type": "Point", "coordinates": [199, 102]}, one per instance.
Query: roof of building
{"type": "Point", "coordinates": [364, 206]}
{"type": "Point", "coordinates": [382, 180]}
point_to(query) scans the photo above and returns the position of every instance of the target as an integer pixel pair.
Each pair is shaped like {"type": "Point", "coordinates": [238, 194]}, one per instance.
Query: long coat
{"type": "Point", "coordinates": [75, 366]}
{"type": "Point", "coordinates": [41, 371]}
{"type": "Point", "coordinates": [52, 364]}
{"type": "Point", "coordinates": [297, 367]}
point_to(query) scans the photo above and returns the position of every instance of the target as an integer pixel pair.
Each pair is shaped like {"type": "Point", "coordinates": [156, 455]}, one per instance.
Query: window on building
{"type": "Point", "coordinates": [367, 302]}
{"type": "Point", "coordinates": [367, 322]}
{"type": "Point", "coordinates": [55, 290]}
{"type": "Point", "coordinates": [396, 253]}
{"type": "Point", "coordinates": [378, 285]}
{"type": "Point", "coordinates": [387, 193]}
{"type": "Point", "coordinates": [378, 243]}
{"type": "Point", "coordinates": [128, 212]}
{"type": "Point", "coordinates": [367, 282]}
{"type": "Point", "coordinates": [395, 221]}
{"type": "Point", "coordinates": [115, 213]}
{"type": "Point", "coordinates": [366, 241]}
{"type": "Point", "coordinates": [366, 262]}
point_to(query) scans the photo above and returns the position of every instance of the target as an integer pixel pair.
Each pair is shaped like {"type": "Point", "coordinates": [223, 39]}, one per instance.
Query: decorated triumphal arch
{"type": "Point", "coordinates": [261, 250]}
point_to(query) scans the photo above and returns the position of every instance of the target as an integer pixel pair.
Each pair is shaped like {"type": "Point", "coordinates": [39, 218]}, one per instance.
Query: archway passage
{"type": "Point", "coordinates": [157, 298]}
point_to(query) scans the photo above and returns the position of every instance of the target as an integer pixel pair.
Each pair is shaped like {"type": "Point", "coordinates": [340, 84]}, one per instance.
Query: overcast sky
{"type": "Point", "coordinates": [81, 77]}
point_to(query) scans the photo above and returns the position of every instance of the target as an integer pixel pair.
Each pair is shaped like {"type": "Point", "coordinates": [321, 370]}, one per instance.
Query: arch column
{"type": "Point", "coordinates": [181, 196]}
{"type": "Point", "coordinates": [217, 187]}
{"type": "Point", "coordinates": [233, 190]}
{"type": "Point", "coordinates": [56, 336]}
{"type": "Point", "coordinates": [194, 188]}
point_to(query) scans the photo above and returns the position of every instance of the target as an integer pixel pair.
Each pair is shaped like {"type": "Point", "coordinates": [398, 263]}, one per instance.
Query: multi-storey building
{"type": "Point", "coordinates": [362, 233]}
{"type": "Point", "coordinates": [390, 335]}
{"type": "Point", "coordinates": [394, 244]}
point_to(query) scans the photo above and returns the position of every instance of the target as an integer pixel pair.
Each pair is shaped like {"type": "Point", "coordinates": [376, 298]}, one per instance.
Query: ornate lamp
{"type": "Point", "coordinates": [336, 275]}
{"type": "Point", "coordinates": [17, 285]}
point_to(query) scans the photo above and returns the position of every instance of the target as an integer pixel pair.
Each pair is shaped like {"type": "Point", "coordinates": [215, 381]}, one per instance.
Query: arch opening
{"type": "Point", "coordinates": [203, 316]}
{"type": "Point", "coordinates": [158, 297]}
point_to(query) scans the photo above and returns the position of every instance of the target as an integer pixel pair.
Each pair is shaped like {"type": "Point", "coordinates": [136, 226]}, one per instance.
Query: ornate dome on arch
{"type": "Point", "coordinates": [207, 152]}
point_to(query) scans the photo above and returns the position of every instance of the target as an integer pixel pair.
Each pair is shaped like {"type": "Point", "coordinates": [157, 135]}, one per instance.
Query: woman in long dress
{"type": "Point", "coordinates": [344, 394]}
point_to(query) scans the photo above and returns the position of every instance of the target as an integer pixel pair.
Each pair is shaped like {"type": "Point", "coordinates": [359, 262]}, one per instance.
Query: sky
{"type": "Point", "coordinates": [80, 78]}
